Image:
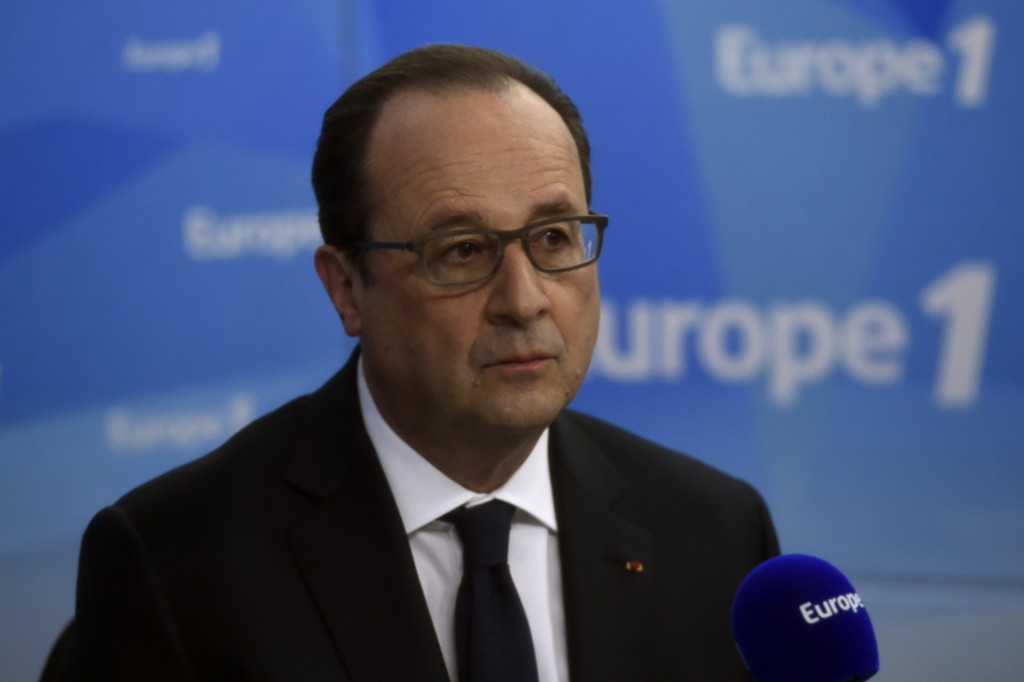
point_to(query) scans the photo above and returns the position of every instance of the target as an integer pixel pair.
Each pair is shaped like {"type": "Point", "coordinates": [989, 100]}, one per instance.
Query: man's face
{"type": "Point", "coordinates": [503, 357]}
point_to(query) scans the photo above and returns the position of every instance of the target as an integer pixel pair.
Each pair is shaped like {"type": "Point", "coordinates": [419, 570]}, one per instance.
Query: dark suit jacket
{"type": "Point", "coordinates": [281, 556]}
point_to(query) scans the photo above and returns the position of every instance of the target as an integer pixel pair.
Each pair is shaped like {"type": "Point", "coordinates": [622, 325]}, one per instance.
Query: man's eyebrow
{"type": "Point", "coordinates": [455, 220]}
{"type": "Point", "coordinates": [473, 219]}
{"type": "Point", "coordinates": [555, 208]}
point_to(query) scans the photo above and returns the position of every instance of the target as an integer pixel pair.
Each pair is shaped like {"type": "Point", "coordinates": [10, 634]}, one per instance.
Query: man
{"type": "Point", "coordinates": [319, 543]}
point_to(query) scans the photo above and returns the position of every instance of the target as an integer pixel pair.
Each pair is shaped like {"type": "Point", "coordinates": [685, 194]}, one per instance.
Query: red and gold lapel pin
{"type": "Point", "coordinates": [634, 566]}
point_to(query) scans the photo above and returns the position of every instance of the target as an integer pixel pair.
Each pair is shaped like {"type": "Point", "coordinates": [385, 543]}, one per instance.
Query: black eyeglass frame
{"type": "Point", "coordinates": [504, 237]}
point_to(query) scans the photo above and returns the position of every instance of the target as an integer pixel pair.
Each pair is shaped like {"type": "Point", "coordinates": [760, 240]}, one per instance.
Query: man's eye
{"type": "Point", "coordinates": [461, 252]}
{"type": "Point", "coordinates": [553, 238]}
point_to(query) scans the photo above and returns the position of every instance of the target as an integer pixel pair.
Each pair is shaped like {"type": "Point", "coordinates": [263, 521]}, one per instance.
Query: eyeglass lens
{"type": "Point", "coordinates": [471, 256]}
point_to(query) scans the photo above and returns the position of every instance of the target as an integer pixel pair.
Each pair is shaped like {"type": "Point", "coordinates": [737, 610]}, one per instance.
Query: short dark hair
{"type": "Point", "coordinates": [339, 165]}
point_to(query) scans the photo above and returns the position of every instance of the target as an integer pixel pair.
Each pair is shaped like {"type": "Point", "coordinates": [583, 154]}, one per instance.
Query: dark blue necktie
{"type": "Point", "coordinates": [492, 636]}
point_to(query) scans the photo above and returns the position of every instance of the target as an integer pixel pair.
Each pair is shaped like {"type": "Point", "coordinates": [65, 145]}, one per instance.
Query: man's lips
{"type": "Point", "coordinates": [522, 360]}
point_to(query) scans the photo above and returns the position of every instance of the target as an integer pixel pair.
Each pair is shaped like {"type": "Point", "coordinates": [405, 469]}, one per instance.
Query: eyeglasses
{"type": "Point", "coordinates": [472, 256]}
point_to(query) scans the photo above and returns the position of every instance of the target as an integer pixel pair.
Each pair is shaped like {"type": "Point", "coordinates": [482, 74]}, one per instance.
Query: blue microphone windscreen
{"type": "Point", "coordinates": [796, 618]}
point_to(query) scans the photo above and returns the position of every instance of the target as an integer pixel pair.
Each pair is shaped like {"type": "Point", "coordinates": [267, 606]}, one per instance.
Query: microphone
{"type": "Point", "coordinates": [796, 618]}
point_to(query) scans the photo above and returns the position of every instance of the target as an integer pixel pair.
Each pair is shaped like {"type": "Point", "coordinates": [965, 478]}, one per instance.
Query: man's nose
{"type": "Point", "coordinates": [517, 288]}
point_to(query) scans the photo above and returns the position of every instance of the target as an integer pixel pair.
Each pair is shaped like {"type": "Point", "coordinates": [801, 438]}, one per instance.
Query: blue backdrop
{"type": "Point", "coordinates": [813, 277]}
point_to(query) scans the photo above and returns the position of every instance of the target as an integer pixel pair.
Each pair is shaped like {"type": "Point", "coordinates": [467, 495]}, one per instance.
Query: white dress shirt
{"type": "Point", "coordinates": [424, 495]}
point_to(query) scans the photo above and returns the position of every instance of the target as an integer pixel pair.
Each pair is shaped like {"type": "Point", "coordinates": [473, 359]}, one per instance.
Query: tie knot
{"type": "Point", "coordinates": [484, 531]}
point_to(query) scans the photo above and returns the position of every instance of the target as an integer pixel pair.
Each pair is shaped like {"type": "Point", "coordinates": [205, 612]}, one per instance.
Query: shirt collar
{"type": "Point", "coordinates": [424, 494]}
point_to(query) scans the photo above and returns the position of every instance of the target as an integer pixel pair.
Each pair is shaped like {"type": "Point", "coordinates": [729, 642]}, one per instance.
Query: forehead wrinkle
{"type": "Point", "coordinates": [446, 176]}
{"type": "Point", "coordinates": [473, 163]}
{"type": "Point", "coordinates": [447, 194]}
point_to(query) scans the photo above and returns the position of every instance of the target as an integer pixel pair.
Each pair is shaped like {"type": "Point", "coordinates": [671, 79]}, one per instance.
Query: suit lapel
{"type": "Point", "coordinates": [608, 606]}
{"type": "Point", "coordinates": [352, 549]}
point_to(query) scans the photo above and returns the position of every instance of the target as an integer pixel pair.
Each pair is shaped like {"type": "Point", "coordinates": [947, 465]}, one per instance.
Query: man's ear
{"type": "Point", "coordinates": [342, 283]}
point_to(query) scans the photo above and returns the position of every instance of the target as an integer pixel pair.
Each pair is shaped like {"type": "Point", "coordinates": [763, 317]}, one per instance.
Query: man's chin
{"type": "Point", "coordinates": [525, 411]}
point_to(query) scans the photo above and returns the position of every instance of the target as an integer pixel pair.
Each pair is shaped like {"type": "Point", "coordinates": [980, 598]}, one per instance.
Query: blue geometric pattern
{"type": "Point", "coordinates": [54, 168]}
{"type": "Point", "coordinates": [921, 17]}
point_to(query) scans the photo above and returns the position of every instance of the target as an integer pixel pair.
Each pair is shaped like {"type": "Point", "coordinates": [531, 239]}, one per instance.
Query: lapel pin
{"type": "Point", "coordinates": [634, 566]}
